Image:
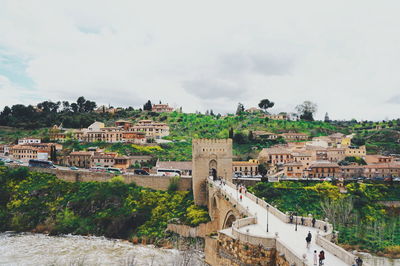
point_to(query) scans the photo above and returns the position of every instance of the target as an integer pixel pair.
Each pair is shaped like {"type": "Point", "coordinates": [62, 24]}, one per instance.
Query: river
{"type": "Point", "coordinates": [39, 249]}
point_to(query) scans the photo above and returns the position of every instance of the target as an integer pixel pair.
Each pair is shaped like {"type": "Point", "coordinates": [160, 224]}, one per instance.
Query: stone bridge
{"type": "Point", "coordinates": [250, 231]}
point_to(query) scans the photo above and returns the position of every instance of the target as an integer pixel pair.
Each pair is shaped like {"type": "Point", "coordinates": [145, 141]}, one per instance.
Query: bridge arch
{"type": "Point", "coordinates": [213, 166]}
{"type": "Point", "coordinates": [229, 219]}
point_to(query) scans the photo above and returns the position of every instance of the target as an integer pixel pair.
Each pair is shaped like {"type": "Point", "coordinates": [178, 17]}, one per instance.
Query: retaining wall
{"type": "Point", "coordinates": [153, 182]}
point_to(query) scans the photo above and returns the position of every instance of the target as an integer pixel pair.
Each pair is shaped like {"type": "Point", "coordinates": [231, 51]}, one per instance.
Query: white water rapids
{"type": "Point", "coordinates": [39, 249]}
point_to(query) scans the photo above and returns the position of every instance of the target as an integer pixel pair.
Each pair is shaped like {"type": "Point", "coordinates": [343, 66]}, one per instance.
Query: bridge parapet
{"type": "Point", "coordinates": [266, 242]}
{"type": "Point", "coordinates": [289, 254]}
{"type": "Point", "coordinates": [323, 238]}
{"type": "Point", "coordinates": [336, 250]}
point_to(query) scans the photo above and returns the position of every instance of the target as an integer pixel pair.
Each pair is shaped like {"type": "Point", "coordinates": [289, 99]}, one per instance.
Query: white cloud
{"type": "Point", "coordinates": [344, 56]}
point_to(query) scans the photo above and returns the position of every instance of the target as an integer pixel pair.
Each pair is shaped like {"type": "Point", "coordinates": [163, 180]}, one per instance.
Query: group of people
{"type": "Point", "coordinates": [318, 258]}
{"type": "Point", "coordinates": [302, 220]}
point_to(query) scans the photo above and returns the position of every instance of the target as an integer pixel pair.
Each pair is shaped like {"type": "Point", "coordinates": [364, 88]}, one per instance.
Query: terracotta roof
{"type": "Point", "coordinates": [237, 163]}
{"type": "Point", "coordinates": [293, 164]}
{"type": "Point", "coordinates": [324, 164]}
{"type": "Point", "coordinates": [294, 134]}
{"type": "Point", "coordinates": [383, 166]}
{"type": "Point", "coordinates": [81, 153]}
{"type": "Point", "coordinates": [336, 135]}
{"type": "Point", "coordinates": [275, 150]}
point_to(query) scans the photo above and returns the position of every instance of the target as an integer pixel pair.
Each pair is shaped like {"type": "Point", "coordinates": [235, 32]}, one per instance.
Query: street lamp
{"type": "Point", "coordinates": [267, 216]}
{"type": "Point", "coordinates": [296, 221]}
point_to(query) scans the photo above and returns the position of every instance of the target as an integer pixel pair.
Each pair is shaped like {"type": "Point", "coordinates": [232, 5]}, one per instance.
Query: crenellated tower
{"type": "Point", "coordinates": [210, 157]}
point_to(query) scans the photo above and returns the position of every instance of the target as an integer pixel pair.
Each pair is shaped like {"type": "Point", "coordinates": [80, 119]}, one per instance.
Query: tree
{"type": "Point", "coordinates": [262, 169]}
{"type": "Point", "coordinates": [251, 136]}
{"type": "Point", "coordinates": [239, 109]}
{"type": "Point", "coordinates": [357, 141]}
{"type": "Point", "coordinates": [231, 133]}
{"type": "Point", "coordinates": [147, 106]}
{"type": "Point", "coordinates": [265, 104]}
{"type": "Point", "coordinates": [327, 118]}
{"type": "Point", "coordinates": [81, 102]}
{"type": "Point", "coordinates": [306, 110]}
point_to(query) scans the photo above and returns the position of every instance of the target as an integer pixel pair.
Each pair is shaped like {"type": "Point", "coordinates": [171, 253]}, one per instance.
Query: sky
{"type": "Point", "coordinates": [342, 55]}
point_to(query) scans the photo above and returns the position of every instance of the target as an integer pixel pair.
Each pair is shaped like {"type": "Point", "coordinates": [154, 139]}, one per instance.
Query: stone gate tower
{"type": "Point", "coordinates": [210, 157]}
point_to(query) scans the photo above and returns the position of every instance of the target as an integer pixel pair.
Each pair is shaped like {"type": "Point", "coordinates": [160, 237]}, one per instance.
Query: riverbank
{"type": "Point", "coordinates": [41, 249]}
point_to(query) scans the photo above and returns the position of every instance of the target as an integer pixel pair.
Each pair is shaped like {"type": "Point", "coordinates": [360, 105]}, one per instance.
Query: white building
{"type": "Point", "coordinates": [28, 141]}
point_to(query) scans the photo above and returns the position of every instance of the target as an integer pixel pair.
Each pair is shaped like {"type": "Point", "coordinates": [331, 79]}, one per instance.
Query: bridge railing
{"type": "Point", "coordinates": [339, 252]}
{"type": "Point", "coordinates": [323, 238]}
{"type": "Point", "coordinates": [290, 255]}
{"type": "Point", "coordinates": [266, 242]}
{"type": "Point", "coordinates": [284, 217]}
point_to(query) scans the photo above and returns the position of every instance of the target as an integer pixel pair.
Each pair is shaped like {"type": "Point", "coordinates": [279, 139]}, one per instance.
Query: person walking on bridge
{"type": "Point", "coordinates": [321, 257]}
{"type": "Point", "coordinates": [315, 257]}
{"type": "Point", "coordinates": [313, 222]}
{"type": "Point", "coordinates": [308, 239]}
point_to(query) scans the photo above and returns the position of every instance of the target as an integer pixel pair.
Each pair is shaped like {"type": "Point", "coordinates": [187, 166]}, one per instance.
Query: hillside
{"type": "Point", "coordinates": [184, 127]}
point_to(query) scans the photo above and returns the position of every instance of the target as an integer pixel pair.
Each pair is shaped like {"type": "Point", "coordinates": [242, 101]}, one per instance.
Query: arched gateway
{"type": "Point", "coordinates": [210, 157]}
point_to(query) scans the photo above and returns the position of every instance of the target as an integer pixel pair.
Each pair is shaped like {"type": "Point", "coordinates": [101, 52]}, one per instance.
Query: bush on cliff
{"type": "Point", "coordinates": [41, 202]}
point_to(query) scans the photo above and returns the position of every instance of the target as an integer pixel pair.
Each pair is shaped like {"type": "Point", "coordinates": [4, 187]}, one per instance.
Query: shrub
{"type": "Point", "coordinates": [117, 179]}
{"type": "Point", "coordinates": [173, 183]}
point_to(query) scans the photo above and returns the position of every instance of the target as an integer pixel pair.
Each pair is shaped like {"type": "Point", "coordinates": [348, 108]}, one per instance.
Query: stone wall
{"type": "Point", "coordinates": [199, 231]}
{"type": "Point", "coordinates": [153, 182]}
{"type": "Point", "coordinates": [241, 253]}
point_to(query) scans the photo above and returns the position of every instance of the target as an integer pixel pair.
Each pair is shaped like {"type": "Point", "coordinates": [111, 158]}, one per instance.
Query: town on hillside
{"type": "Point", "coordinates": [277, 146]}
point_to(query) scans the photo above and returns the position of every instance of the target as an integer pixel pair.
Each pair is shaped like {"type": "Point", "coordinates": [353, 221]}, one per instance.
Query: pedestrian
{"type": "Point", "coordinates": [321, 257]}
{"type": "Point", "coordinates": [291, 218]}
{"type": "Point", "coordinates": [325, 228]}
{"type": "Point", "coordinates": [308, 239]}
{"type": "Point", "coordinates": [240, 197]}
{"type": "Point", "coordinates": [315, 257]}
{"type": "Point", "coordinates": [302, 220]}
{"type": "Point", "coordinates": [359, 261]}
{"type": "Point", "coordinates": [313, 222]}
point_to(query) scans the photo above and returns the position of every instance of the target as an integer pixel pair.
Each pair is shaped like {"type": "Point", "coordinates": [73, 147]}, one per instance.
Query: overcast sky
{"type": "Point", "coordinates": [342, 55]}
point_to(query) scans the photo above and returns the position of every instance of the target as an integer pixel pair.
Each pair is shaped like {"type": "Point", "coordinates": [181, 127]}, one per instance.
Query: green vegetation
{"type": "Point", "coordinates": [362, 221]}
{"type": "Point", "coordinates": [41, 202]}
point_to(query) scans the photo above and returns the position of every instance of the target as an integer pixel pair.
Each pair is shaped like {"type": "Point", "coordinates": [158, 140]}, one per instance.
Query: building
{"type": "Point", "coordinates": [4, 149]}
{"type": "Point", "coordinates": [281, 116]}
{"type": "Point", "coordinates": [294, 136]}
{"type": "Point", "coordinates": [261, 134]}
{"type": "Point", "coordinates": [275, 155]}
{"type": "Point", "coordinates": [377, 159]}
{"type": "Point", "coordinates": [352, 171]}
{"type": "Point", "coordinates": [356, 151]}
{"type": "Point", "coordinates": [323, 169]}
{"type": "Point", "coordinates": [36, 151]}
{"type": "Point", "coordinates": [151, 129]}
{"type": "Point", "coordinates": [293, 169]}
{"type": "Point", "coordinates": [382, 170]}
{"type": "Point", "coordinates": [81, 159]}
{"type": "Point", "coordinates": [103, 159]}
{"type": "Point", "coordinates": [305, 158]}
{"type": "Point", "coordinates": [245, 168]}
{"type": "Point", "coordinates": [28, 141]}
{"type": "Point", "coordinates": [161, 108]}
{"type": "Point", "coordinates": [125, 125]}
{"type": "Point", "coordinates": [336, 154]}
{"type": "Point", "coordinates": [254, 110]}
